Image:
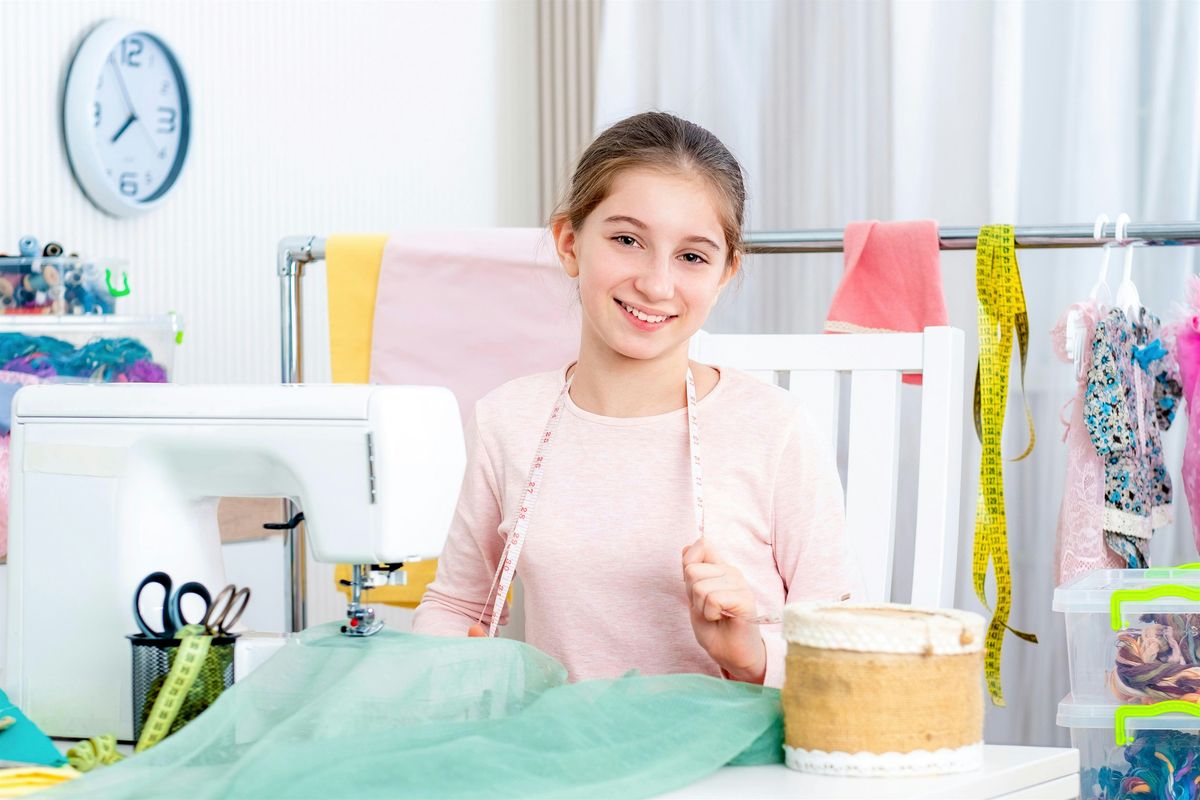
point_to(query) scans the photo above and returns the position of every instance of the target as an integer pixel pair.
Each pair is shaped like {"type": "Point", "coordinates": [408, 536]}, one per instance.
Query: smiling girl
{"type": "Point", "coordinates": [668, 501]}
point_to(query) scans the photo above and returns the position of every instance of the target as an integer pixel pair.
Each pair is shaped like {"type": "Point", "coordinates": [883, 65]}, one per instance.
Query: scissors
{"type": "Point", "coordinates": [172, 608]}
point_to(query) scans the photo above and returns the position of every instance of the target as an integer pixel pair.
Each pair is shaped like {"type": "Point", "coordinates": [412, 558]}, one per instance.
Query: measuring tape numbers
{"type": "Point", "coordinates": [194, 643]}
{"type": "Point", "coordinates": [1002, 316]}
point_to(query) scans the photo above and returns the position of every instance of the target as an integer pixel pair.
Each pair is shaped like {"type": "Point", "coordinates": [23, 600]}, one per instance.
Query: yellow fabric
{"type": "Point", "coordinates": [352, 266]}
{"type": "Point", "coordinates": [352, 274]}
{"type": "Point", "coordinates": [20, 781]}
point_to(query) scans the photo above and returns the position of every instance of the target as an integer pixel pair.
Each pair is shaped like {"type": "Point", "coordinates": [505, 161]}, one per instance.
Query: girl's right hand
{"type": "Point", "coordinates": [477, 630]}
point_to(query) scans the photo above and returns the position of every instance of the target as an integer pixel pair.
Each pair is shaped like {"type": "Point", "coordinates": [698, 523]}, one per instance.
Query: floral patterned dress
{"type": "Point", "coordinates": [1132, 395]}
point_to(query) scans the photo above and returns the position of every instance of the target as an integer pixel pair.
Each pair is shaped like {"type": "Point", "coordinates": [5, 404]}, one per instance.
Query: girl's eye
{"type": "Point", "coordinates": [694, 258]}
{"type": "Point", "coordinates": [628, 241]}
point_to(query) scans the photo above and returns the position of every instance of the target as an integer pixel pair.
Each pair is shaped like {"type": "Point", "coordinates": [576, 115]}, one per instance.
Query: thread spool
{"type": "Point", "coordinates": [28, 246]}
{"type": "Point", "coordinates": [52, 250]}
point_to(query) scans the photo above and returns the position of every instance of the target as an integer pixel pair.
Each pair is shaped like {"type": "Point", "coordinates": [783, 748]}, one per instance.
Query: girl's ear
{"type": "Point", "coordinates": [564, 243]}
{"type": "Point", "coordinates": [731, 269]}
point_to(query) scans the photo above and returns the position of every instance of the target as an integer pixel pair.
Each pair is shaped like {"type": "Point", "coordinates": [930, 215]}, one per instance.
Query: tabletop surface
{"type": "Point", "coordinates": [1006, 769]}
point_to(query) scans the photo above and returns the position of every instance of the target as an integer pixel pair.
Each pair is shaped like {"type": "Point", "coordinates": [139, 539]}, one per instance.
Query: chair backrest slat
{"type": "Point", "coordinates": [872, 467]}
{"type": "Point", "coordinates": [821, 387]}
{"type": "Point", "coordinates": [814, 365]}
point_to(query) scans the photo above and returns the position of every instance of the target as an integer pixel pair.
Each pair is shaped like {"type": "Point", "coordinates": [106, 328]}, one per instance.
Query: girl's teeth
{"type": "Point", "coordinates": [640, 315]}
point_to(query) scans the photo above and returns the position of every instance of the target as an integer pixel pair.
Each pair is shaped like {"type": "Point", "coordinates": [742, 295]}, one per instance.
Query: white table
{"type": "Point", "coordinates": [1029, 773]}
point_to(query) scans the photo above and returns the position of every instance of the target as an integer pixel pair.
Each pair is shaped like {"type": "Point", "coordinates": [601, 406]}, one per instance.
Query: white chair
{"type": "Point", "coordinates": [875, 362]}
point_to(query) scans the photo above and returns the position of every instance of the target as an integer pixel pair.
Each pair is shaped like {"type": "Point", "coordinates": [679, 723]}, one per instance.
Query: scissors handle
{"type": "Point", "coordinates": [163, 580]}
{"type": "Point", "coordinates": [223, 622]}
{"type": "Point", "coordinates": [175, 607]}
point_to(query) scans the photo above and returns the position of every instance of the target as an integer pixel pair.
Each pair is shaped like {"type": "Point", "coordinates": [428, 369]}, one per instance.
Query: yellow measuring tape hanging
{"type": "Point", "coordinates": [1001, 315]}
{"type": "Point", "coordinates": [194, 642]}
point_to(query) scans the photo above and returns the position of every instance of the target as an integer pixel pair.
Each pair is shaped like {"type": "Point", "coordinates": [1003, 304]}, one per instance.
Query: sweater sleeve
{"type": "Point", "coordinates": [808, 529]}
{"type": "Point", "coordinates": [458, 594]}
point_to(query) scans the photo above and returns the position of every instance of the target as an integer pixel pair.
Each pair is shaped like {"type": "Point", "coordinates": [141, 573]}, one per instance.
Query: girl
{"type": "Point", "coordinates": [674, 500]}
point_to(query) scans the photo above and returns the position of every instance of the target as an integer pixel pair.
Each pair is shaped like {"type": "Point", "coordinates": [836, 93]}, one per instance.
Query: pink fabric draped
{"type": "Point", "coordinates": [1080, 545]}
{"type": "Point", "coordinates": [1187, 342]}
{"type": "Point", "coordinates": [471, 310]}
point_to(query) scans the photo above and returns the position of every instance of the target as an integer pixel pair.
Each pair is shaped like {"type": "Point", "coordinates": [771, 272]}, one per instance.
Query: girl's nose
{"type": "Point", "coordinates": [657, 282]}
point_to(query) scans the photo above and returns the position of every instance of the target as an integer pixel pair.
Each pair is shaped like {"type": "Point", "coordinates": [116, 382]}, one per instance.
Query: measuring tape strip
{"type": "Point", "coordinates": [507, 568]}
{"type": "Point", "coordinates": [194, 643]}
{"type": "Point", "coordinates": [1001, 315]}
{"type": "Point", "coordinates": [94, 752]}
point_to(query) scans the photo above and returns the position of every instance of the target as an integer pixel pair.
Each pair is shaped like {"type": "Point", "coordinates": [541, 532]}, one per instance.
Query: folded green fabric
{"type": "Point", "coordinates": [401, 715]}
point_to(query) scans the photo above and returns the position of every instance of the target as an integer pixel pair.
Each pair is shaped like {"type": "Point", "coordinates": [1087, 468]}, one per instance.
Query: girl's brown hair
{"type": "Point", "coordinates": [661, 141]}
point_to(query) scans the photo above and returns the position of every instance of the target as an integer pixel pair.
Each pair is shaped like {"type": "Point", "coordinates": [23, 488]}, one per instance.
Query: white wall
{"type": "Point", "coordinates": [309, 117]}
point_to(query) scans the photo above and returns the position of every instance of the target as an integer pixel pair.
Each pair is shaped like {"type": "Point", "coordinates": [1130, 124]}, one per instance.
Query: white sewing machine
{"type": "Point", "coordinates": [113, 482]}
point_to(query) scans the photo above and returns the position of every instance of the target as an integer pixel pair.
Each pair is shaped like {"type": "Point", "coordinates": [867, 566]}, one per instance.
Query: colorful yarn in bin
{"type": "Point", "coordinates": [1159, 661]}
{"type": "Point", "coordinates": [116, 360]}
{"type": "Point", "coordinates": [1162, 764]}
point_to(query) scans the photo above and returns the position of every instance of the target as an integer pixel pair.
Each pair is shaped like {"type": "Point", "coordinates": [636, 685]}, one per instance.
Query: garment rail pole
{"type": "Point", "coordinates": [294, 252]}
{"type": "Point", "coordinates": [829, 240]}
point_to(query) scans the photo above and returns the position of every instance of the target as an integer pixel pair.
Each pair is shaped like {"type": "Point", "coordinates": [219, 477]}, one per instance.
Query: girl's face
{"type": "Point", "coordinates": [651, 260]}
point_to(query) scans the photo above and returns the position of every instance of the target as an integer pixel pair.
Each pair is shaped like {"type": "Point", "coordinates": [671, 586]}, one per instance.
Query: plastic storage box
{"type": "Point", "coordinates": [1147, 752]}
{"type": "Point", "coordinates": [1133, 636]}
{"type": "Point", "coordinates": [108, 348]}
{"type": "Point", "coordinates": [61, 285]}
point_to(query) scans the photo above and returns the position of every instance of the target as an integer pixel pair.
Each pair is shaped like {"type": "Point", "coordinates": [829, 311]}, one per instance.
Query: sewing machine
{"type": "Point", "coordinates": [112, 482]}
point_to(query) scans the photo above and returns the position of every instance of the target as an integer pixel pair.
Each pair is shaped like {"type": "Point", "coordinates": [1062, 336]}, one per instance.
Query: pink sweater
{"type": "Point", "coordinates": [602, 566]}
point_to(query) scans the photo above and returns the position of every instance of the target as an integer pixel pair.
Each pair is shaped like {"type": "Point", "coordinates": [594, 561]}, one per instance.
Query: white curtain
{"type": "Point", "coordinates": [968, 113]}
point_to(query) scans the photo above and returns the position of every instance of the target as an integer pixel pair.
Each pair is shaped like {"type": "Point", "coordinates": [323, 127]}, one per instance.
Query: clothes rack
{"type": "Point", "coordinates": [294, 252]}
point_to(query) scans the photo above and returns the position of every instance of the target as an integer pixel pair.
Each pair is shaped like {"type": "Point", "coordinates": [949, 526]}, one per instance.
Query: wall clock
{"type": "Point", "coordinates": [126, 118]}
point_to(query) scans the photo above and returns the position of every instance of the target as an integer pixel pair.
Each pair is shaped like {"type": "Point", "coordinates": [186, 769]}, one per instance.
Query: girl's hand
{"type": "Point", "coordinates": [715, 590]}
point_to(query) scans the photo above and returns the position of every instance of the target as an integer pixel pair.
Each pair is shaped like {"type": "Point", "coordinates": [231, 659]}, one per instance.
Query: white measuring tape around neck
{"type": "Point", "coordinates": [507, 568]}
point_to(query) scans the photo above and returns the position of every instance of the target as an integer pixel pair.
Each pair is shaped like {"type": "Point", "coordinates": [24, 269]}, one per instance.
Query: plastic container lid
{"type": "Point", "coordinates": [1092, 593]}
{"type": "Point", "coordinates": [1086, 715]}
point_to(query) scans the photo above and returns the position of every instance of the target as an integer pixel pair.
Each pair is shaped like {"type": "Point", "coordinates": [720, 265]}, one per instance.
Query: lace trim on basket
{"type": "Point", "coordinates": [918, 762]}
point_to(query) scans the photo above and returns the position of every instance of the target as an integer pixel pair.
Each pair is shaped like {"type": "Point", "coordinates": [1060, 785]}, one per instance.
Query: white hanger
{"type": "Point", "coordinates": [1127, 298]}
{"type": "Point", "coordinates": [1100, 292]}
{"type": "Point", "coordinates": [1100, 295]}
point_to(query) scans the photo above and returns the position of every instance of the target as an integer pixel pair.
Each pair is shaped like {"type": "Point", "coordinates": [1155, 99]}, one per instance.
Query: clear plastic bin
{"type": "Point", "coordinates": [1121, 756]}
{"type": "Point", "coordinates": [108, 348]}
{"type": "Point", "coordinates": [1133, 636]}
{"type": "Point", "coordinates": [61, 285]}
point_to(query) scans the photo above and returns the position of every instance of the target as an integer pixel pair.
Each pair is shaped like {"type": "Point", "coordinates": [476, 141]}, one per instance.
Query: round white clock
{"type": "Point", "coordinates": [126, 118]}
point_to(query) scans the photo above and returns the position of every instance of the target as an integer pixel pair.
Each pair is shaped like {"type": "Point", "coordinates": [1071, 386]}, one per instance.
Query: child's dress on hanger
{"type": "Point", "coordinates": [1131, 396]}
{"type": "Point", "coordinates": [1187, 347]}
{"type": "Point", "coordinates": [1080, 545]}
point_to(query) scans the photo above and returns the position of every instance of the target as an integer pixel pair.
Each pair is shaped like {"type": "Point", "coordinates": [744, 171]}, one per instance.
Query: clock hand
{"type": "Point", "coordinates": [124, 127]}
{"type": "Point", "coordinates": [121, 85]}
{"type": "Point", "coordinates": [133, 115]}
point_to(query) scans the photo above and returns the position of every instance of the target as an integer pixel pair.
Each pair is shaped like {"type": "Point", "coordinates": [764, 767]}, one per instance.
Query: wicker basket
{"type": "Point", "coordinates": [882, 689]}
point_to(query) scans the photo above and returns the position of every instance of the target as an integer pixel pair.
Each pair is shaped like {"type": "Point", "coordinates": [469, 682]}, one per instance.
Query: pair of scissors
{"type": "Point", "coordinates": [217, 619]}
{"type": "Point", "coordinates": [172, 604]}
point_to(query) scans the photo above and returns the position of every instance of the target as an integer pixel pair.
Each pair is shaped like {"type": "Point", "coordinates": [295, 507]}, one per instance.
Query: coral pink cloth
{"type": "Point", "coordinates": [1080, 545]}
{"type": "Point", "coordinates": [1187, 351]}
{"type": "Point", "coordinates": [602, 562]}
{"type": "Point", "coordinates": [892, 281]}
{"type": "Point", "coordinates": [471, 309]}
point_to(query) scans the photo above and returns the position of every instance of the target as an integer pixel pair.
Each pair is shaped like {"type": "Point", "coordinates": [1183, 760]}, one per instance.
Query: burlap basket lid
{"type": "Point", "coordinates": [883, 628]}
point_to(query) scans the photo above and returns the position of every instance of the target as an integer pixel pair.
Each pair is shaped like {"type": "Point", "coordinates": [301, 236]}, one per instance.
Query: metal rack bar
{"type": "Point", "coordinates": [297, 251]}
{"type": "Point", "coordinates": [829, 240]}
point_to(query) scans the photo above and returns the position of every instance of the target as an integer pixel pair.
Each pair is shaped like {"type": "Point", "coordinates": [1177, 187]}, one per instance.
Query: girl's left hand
{"type": "Point", "coordinates": [715, 590]}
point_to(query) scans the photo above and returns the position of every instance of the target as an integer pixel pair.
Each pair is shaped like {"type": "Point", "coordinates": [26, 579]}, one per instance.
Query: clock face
{"type": "Point", "coordinates": [126, 118]}
{"type": "Point", "coordinates": [140, 118]}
